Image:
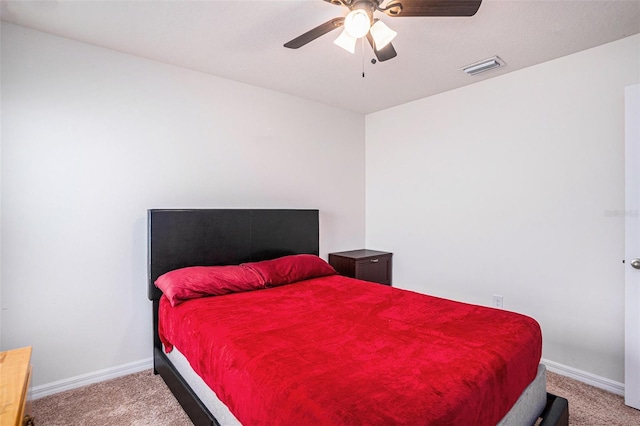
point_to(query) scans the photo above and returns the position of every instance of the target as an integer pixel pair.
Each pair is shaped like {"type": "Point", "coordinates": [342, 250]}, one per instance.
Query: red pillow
{"type": "Point", "coordinates": [199, 281]}
{"type": "Point", "coordinates": [289, 269]}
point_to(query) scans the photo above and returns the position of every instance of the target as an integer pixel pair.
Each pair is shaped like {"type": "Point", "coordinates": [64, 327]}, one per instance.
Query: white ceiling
{"type": "Point", "coordinates": [243, 40]}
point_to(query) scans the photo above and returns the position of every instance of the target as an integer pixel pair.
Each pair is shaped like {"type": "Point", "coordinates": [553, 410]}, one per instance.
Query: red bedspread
{"type": "Point", "coordinates": [338, 351]}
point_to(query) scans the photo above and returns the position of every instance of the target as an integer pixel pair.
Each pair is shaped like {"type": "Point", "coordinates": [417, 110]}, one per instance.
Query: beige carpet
{"type": "Point", "coordinates": [589, 406]}
{"type": "Point", "coordinates": [140, 399]}
{"type": "Point", "coordinates": [143, 399]}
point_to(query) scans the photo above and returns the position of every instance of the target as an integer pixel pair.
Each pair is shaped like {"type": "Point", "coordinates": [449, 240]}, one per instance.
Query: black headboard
{"type": "Point", "coordinates": [207, 237]}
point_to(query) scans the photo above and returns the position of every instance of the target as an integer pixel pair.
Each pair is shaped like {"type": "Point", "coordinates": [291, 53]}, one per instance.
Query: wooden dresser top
{"type": "Point", "coordinates": [14, 374]}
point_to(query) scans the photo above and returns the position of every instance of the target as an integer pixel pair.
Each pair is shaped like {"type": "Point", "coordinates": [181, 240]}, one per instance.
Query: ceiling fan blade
{"type": "Point", "coordinates": [335, 2]}
{"type": "Point", "coordinates": [384, 54]}
{"type": "Point", "coordinates": [313, 34]}
{"type": "Point", "coordinates": [402, 8]}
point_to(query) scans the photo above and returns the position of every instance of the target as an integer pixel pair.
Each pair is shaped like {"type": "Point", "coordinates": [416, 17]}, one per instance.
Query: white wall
{"type": "Point", "coordinates": [499, 187]}
{"type": "Point", "coordinates": [92, 138]}
{"type": "Point", "coordinates": [503, 187]}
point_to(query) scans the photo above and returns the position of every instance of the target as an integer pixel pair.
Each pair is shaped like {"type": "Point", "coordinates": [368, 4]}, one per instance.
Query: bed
{"type": "Point", "coordinates": [338, 369]}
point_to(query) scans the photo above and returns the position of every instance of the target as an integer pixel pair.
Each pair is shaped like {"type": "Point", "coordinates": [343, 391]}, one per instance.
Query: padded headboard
{"type": "Point", "coordinates": [208, 237]}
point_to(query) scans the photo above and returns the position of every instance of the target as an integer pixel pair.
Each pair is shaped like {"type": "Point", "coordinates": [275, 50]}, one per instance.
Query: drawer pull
{"type": "Point", "coordinates": [374, 260]}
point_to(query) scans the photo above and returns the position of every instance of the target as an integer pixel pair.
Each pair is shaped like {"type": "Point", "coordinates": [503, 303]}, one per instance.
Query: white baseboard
{"type": "Point", "coordinates": [89, 378]}
{"type": "Point", "coordinates": [146, 364]}
{"type": "Point", "coordinates": [585, 377]}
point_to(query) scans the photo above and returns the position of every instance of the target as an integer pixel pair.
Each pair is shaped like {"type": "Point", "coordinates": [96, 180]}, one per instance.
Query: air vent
{"type": "Point", "coordinates": [484, 65]}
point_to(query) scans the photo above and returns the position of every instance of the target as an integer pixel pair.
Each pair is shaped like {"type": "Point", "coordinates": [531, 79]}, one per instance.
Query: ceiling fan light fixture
{"type": "Point", "coordinates": [484, 65]}
{"type": "Point", "coordinates": [345, 41]}
{"type": "Point", "coordinates": [382, 34]}
{"type": "Point", "coordinates": [357, 23]}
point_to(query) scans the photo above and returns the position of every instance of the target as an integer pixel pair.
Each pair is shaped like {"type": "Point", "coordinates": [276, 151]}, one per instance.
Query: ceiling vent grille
{"type": "Point", "coordinates": [484, 65]}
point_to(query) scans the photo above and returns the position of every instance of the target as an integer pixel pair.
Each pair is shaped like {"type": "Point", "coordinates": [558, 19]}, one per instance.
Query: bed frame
{"type": "Point", "coordinates": [206, 237]}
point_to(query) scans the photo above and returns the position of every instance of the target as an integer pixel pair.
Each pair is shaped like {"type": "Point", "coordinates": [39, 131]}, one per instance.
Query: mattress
{"type": "Point", "coordinates": [335, 350]}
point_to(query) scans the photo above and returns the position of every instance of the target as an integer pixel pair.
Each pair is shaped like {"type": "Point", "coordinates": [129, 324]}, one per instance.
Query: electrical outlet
{"type": "Point", "coordinates": [498, 301]}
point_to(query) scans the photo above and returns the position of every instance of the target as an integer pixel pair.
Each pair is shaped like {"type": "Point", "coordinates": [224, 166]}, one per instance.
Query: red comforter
{"type": "Point", "coordinates": [338, 351]}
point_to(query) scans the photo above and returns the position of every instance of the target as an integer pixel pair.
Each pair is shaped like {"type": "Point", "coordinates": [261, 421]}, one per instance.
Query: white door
{"type": "Point", "coordinates": [632, 247]}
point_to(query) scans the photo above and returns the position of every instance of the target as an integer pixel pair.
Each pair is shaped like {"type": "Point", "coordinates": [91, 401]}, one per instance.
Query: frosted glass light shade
{"type": "Point", "coordinates": [382, 35]}
{"type": "Point", "coordinates": [357, 23]}
{"type": "Point", "coordinates": [345, 41]}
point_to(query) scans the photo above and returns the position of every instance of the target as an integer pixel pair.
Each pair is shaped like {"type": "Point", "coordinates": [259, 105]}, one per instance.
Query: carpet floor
{"type": "Point", "coordinates": [143, 399]}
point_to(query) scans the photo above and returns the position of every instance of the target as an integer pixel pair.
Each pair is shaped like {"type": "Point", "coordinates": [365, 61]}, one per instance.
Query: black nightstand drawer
{"type": "Point", "coordinates": [367, 265]}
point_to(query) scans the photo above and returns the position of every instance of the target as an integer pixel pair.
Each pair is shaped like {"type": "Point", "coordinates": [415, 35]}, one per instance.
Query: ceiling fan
{"type": "Point", "coordinates": [360, 22]}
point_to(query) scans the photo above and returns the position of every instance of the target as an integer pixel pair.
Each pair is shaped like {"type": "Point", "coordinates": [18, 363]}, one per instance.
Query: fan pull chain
{"type": "Point", "coordinates": [362, 43]}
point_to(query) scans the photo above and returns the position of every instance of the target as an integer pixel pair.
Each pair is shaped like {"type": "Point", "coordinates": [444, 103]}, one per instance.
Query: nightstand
{"type": "Point", "coordinates": [367, 265]}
